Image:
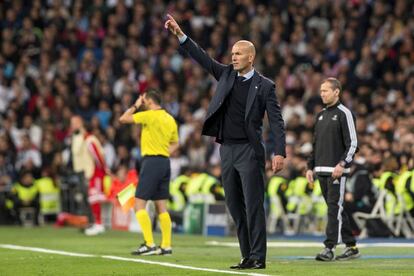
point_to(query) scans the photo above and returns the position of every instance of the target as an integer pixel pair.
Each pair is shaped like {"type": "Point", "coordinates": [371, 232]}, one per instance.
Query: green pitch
{"type": "Point", "coordinates": [190, 252]}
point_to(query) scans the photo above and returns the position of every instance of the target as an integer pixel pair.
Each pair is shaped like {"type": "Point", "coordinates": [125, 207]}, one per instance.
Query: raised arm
{"type": "Point", "coordinates": [194, 50]}
{"type": "Point", "coordinates": [173, 27]}
{"type": "Point", "coordinates": [127, 117]}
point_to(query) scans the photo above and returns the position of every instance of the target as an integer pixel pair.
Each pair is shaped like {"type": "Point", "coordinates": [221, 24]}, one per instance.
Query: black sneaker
{"type": "Point", "coordinates": [145, 250]}
{"type": "Point", "coordinates": [326, 255]}
{"type": "Point", "coordinates": [349, 253]}
{"type": "Point", "coordinates": [164, 251]}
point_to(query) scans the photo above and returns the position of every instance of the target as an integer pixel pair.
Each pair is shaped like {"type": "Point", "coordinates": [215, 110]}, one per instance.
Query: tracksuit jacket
{"type": "Point", "coordinates": [335, 140]}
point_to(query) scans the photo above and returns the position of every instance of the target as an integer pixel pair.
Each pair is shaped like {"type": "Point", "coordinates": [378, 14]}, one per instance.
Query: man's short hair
{"type": "Point", "coordinates": [154, 95]}
{"type": "Point", "coordinates": [335, 83]}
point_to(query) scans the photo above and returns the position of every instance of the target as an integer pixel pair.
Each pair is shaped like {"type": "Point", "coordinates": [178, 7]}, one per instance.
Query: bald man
{"type": "Point", "coordinates": [235, 119]}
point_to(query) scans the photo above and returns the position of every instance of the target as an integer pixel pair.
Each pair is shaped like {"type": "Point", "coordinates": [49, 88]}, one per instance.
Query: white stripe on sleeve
{"type": "Point", "coordinates": [352, 133]}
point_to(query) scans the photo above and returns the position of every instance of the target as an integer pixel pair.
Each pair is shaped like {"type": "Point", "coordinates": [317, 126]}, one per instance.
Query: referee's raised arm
{"type": "Point", "coordinates": [127, 117]}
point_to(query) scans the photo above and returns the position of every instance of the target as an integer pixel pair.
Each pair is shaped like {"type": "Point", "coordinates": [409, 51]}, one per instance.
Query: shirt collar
{"type": "Point", "coordinates": [248, 75]}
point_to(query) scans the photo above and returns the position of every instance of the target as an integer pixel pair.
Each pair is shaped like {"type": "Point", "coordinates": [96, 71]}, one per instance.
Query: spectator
{"type": "Point", "coordinates": [28, 156]}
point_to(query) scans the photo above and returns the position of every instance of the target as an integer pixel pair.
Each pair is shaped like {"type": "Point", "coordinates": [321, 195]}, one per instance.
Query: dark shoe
{"type": "Point", "coordinates": [326, 255]}
{"type": "Point", "coordinates": [164, 251]}
{"type": "Point", "coordinates": [145, 250]}
{"type": "Point", "coordinates": [349, 253]}
{"type": "Point", "coordinates": [253, 264]}
{"type": "Point", "coordinates": [243, 261]}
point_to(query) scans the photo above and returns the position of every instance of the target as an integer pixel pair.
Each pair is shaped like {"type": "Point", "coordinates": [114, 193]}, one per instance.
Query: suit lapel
{"type": "Point", "coordinates": [223, 89]}
{"type": "Point", "coordinates": [227, 86]}
{"type": "Point", "coordinates": [254, 86]}
{"type": "Point", "coordinates": [230, 84]}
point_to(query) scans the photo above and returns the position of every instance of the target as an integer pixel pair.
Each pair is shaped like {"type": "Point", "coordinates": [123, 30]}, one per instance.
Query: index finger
{"type": "Point", "coordinates": [170, 17]}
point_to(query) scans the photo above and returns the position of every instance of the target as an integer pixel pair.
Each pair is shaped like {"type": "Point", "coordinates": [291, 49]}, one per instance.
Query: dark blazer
{"type": "Point", "coordinates": [261, 98]}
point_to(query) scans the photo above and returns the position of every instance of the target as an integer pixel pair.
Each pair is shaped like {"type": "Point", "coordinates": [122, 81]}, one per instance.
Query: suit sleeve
{"type": "Point", "coordinates": [311, 158]}
{"type": "Point", "coordinates": [349, 137]}
{"type": "Point", "coordinates": [198, 54]}
{"type": "Point", "coordinates": [277, 125]}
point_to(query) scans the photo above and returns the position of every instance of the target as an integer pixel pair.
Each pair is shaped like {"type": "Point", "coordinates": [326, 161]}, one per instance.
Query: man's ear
{"type": "Point", "coordinates": [251, 58]}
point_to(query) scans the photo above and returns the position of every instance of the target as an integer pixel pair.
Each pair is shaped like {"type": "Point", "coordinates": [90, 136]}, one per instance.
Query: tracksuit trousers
{"type": "Point", "coordinates": [338, 229]}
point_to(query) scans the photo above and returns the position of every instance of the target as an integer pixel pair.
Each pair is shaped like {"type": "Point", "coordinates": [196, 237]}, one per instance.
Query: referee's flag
{"type": "Point", "coordinates": [126, 197]}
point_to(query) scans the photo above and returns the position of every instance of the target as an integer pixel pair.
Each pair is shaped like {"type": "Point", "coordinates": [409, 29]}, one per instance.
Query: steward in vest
{"type": "Point", "coordinates": [214, 187]}
{"type": "Point", "coordinates": [200, 188]}
{"type": "Point", "coordinates": [26, 195]}
{"type": "Point", "coordinates": [387, 182]}
{"type": "Point", "coordinates": [319, 207]}
{"type": "Point", "coordinates": [49, 197]}
{"type": "Point", "coordinates": [299, 200]}
{"type": "Point", "coordinates": [277, 188]}
{"type": "Point", "coordinates": [178, 198]}
{"type": "Point", "coordinates": [276, 193]}
{"type": "Point", "coordinates": [405, 187]}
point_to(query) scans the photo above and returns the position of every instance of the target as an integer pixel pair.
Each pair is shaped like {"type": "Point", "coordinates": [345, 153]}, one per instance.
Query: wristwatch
{"type": "Point", "coordinates": [342, 163]}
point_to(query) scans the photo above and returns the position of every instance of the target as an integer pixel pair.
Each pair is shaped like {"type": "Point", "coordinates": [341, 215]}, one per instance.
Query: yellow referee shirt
{"type": "Point", "coordinates": [159, 130]}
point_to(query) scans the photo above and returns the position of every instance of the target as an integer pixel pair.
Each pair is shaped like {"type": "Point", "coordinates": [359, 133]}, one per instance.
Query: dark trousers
{"type": "Point", "coordinates": [338, 229]}
{"type": "Point", "coordinates": [244, 187]}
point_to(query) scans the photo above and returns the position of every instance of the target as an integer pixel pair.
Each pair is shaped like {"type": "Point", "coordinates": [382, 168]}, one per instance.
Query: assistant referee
{"type": "Point", "coordinates": [159, 137]}
{"type": "Point", "coordinates": [334, 147]}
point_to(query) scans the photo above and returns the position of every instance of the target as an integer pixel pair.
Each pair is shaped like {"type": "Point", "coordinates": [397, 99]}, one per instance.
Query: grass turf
{"type": "Point", "coordinates": [187, 250]}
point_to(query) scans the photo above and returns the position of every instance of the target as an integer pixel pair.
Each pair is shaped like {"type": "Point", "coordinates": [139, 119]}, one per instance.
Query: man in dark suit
{"type": "Point", "coordinates": [235, 118]}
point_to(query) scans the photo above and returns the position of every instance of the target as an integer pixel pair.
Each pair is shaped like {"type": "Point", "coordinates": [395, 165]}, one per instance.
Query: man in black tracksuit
{"type": "Point", "coordinates": [334, 146]}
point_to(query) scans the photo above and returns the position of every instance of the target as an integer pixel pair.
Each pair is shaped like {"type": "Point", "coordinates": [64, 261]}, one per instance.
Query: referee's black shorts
{"type": "Point", "coordinates": [154, 178]}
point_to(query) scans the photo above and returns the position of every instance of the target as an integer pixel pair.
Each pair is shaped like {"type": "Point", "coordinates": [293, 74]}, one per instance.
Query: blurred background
{"type": "Point", "coordinates": [60, 58]}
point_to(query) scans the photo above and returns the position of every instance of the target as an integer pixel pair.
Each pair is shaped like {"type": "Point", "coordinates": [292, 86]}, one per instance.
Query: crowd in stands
{"type": "Point", "coordinates": [59, 58]}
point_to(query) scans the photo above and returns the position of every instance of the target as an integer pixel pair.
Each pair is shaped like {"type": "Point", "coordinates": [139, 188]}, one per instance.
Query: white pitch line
{"type": "Point", "coordinates": [313, 244]}
{"type": "Point", "coordinates": [180, 266]}
{"type": "Point", "coordinates": [386, 244]}
{"type": "Point", "coordinates": [73, 254]}
{"type": "Point", "coordinates": [43, 250]}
